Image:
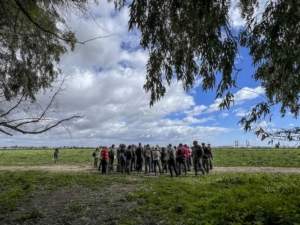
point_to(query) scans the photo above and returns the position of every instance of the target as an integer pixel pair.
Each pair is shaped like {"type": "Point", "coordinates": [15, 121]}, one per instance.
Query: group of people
{"type": "Point", "coordinates": [153, 159]}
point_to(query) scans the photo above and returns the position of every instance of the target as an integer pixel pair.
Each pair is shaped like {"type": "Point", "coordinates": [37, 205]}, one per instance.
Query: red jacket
{"type": "Point", "coordinates": [186, 152]}
{"type": "Point", "coordinates": [104, 154]}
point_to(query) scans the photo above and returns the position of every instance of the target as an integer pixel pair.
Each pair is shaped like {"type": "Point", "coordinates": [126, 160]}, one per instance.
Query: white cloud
{"type": "Point", "coordinates": [104, 84]}
{"type": "Point", "coordinates": [247, 93]}
{"type": "Point", "coordinates": [235, 17]}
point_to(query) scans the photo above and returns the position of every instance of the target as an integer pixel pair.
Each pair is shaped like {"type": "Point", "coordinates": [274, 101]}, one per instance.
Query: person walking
{"type": "Point", "coordinates": [104, 160]}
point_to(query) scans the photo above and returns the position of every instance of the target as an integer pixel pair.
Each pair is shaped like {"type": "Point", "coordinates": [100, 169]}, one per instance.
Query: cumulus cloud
{"type": "Point", "coordinates": [104, 83]}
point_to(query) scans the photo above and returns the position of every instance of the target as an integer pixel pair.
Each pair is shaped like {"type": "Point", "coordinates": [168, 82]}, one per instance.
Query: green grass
{"type": "Point", "coordinates": [219, 199]}
{"type": "Point", "coordinates": [45, 157]}
{"type": "Point", "coordinates": [267, 199]}
{"type": "Point", "coordinates": [222, 157]}
{"type": "Point", "coordinates": [262, 157]}
{"type": "Point", "coordinates": [17, 186]}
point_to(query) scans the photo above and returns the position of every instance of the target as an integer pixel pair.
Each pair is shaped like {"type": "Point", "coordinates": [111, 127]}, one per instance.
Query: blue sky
{"type": "Point", "coordinates": [104, 81]}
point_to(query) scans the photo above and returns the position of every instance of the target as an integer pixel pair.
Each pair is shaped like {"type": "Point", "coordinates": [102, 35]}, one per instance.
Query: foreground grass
{"type": "Point", "coordinates": [215, 199]}
{"type": "Point", "coordinates": [222, 157]}
{"type": "Point", "coordinates": [226, 199]}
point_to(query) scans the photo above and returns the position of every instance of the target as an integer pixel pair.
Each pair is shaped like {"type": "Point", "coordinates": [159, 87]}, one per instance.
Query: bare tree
{"type": "Point", "coordinates": [12, 120]}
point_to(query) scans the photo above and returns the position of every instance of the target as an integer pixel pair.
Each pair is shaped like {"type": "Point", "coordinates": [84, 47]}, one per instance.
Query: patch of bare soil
{"type": "Point", "coordinates": [74, 206]}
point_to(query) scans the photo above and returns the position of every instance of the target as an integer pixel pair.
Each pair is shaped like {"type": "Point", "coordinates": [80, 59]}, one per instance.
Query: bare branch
{"type": "Point", "coordinates": [13, 108]}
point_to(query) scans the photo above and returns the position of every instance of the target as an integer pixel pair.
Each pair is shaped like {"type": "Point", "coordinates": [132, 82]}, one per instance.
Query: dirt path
{"type": "Point", "coordinates": [84, 168]}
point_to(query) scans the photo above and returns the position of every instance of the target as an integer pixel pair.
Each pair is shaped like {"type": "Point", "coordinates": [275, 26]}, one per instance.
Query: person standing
{"type": "Point", "coordinates": [128, 157]}
{"type": "Point", "coordinates": [55, 155]}
{"type": "Point", "coordinates": [95, 157]}
{"type": "Point", "coordinates": [181, 159]}
{"type": "Point", "coordinates": [122, 158]}
{"type": "Point", "coordinates": [171, 160]}
{"type": "Point", "coordinates": [104, 159]}
{"type": "Point", "coordinates": [147, 157]}
{"type": "Point", "coordinates": [164, 160]}
{"type": "Point", "coordinates": [210, 158]}
{"type": "Point", "coordinates": [139, 158]}
{"type": "Point", "coordinates": [111, 158]}
{"type": "Point", "coordinates": [156, 159]}
{"type": "Point", "coordinates": [197, 154]}
{"type": "Point", "coordinates": [206, 157]}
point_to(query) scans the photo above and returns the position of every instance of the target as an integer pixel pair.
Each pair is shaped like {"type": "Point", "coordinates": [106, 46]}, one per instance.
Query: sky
{"type": "Point", "coordinates": [104, 84]}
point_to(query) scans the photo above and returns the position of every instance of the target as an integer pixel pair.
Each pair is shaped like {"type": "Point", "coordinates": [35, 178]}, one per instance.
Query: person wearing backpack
{"type": "Point", "coordinates": [171, 160]}
{"type": "Point", "coordinates": [181, 159]}
{"type": "Point", "coordinates": [197, 154]}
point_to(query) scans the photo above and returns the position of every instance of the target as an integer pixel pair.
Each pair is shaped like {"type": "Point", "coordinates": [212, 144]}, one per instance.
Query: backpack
{"type": "Point", "coordinates": [111, 154]}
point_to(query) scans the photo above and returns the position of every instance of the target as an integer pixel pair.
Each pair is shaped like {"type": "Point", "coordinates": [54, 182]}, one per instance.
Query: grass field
{"type": "Point", "coordinates": [50, 198]}
{"type": "Point", "coordinates": [222, 157]}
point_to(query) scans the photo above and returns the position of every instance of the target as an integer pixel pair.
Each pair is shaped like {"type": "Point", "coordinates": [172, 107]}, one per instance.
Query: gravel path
{"type": "Point", "coordinates": [84, 168]}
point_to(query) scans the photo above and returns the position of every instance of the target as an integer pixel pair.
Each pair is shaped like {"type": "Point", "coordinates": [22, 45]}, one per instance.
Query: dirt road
{"type": "Point", "coordinates": [84, 168]}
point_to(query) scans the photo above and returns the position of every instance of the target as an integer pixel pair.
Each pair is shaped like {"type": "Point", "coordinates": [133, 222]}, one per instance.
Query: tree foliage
{"type": "Point", "coordinates": [188, 40]}
{"type": "Point", "coordinates": [32, 39]}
